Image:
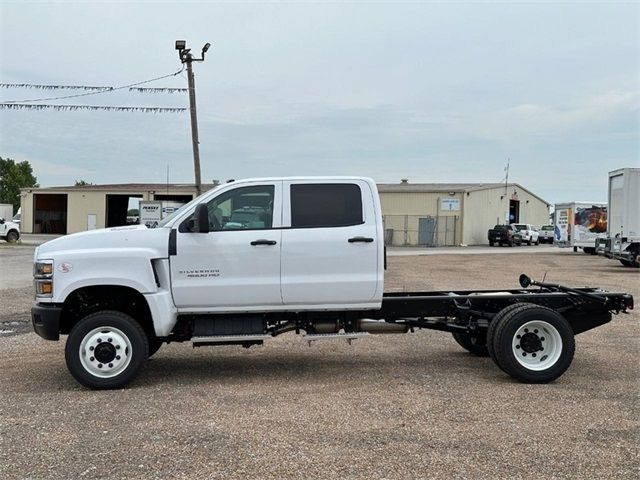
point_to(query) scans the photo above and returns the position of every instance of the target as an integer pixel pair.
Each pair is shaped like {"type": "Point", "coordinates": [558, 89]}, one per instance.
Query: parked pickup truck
{"type": "Point", "coordinates": [530, 235]}
{"type": "Point", "coordinates": [306, 256]}
{"type": "Point", "coordinates": [546, 234]}
{"type": "Point", "coordinates": [504, 235]}
{"type": "Point", "coordinates": [9, 231]}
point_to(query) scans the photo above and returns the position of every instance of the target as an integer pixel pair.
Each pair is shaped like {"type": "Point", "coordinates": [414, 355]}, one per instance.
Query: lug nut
{"type": "Point", "coordinates": [533, 355]}
{"type": "Point", "coordinates": [541, 348]}
{"type": "Point", "coordinates": [117, 357]}
{"type": "Point", "coordinates": [118, 347]}
{"type": "Point", "coordinates": [111, 364]}
{"type": "Point", "coordinates": [518, 347]}
{"type": "Point", "coordinates": [111, 339]}
{"type": "Point", "coordinates": [535, 331]}
{"type": "Point", "coordinates": [91, 349]}
{"type": "Point", "coordinates": [526, 330]}
{"type": "Point", "coordinates": [91, 359]}
{"type": "Point", "coordinates": [542, 339]}
{"type": "Point", "coordinates": [99, 340]}
{"type": "Point", "coordinates": [99, 365]}
{"type": "Point", "coordinates": [518, 336]}
{"type": "Point", "coordinates": [524, 354]}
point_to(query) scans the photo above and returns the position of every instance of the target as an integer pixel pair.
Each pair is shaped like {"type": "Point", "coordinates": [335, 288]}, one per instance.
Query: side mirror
{"type": "Point", "coordinates": [199, 222]}
{"type": "Point", "coordinates": [524, 281]}
{"type": "Point", "coordinates": [1, 221]}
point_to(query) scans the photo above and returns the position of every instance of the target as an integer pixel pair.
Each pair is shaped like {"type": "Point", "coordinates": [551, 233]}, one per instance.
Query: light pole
{"type": "Point", "coordinates": [186, 57]}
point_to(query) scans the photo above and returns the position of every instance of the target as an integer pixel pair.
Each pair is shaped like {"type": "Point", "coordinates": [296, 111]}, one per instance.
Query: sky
{"type": "Point", "coordinates": [432, 92]}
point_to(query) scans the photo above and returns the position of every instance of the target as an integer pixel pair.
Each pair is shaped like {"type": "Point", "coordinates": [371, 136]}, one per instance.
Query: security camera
{"type": "Point", "coordinates": [206, 47]}
{"type": "Point", "coordinates": [181, 44]}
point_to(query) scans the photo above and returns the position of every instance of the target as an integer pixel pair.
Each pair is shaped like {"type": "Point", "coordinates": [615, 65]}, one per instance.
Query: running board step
{"type": "Point", "coordinates": [230, 338]}
{"type": "Point", "coordinates": [349, 337]}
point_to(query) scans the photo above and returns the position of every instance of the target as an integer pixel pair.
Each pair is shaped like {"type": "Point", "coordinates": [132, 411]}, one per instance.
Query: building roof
{"type": "Point", "coordinates": [407, 187]}
{"type": "Point", "coordinates": [126, 187]}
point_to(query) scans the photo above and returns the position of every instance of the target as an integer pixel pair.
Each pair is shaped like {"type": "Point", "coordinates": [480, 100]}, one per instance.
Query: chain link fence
{"type": "Point", "coordinates": [422, 230]}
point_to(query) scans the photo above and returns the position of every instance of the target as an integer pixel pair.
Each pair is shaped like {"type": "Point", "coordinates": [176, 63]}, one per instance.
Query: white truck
{"type": "Point", "coordinates": [253, 259]}
{"type": "Point", "coordinates": [623, 232]}
{"type": "Point", "coordinates": [530, 235]}
{"type": "Point", "coordinates": [579, 224]}
{"type": "Point", "coordinates": [9, 231]}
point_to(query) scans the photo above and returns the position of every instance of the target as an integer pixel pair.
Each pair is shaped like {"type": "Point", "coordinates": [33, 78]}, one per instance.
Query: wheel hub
{"type": "Point", "coordinates": [530, 343]}
{"type": "Point", "coordinates": [105, 352]}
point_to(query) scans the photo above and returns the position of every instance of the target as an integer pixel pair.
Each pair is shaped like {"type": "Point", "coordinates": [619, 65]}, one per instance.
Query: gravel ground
{"type": "Point", "coordinates": [409, 406]}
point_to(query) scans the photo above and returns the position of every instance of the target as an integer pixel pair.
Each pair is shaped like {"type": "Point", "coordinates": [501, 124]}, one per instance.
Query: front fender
{"type": "Point", "coordinates": [77, 269]}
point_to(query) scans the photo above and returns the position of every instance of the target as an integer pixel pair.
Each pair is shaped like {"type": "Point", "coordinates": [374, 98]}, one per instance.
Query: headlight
{"type": "Point", "coordinates": [43, 273]}
{"type": "Point", "coordinates": [43, 269]}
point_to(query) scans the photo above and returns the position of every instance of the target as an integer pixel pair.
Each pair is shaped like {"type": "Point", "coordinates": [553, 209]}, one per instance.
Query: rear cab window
{"type": "Point", "coordinates": [322, 205]}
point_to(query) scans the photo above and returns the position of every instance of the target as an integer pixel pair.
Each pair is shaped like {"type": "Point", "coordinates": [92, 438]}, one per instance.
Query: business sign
{"type": "Point", "coordinates": [150, 213]}
{"type": "Point", "coordinates": [450, 204]}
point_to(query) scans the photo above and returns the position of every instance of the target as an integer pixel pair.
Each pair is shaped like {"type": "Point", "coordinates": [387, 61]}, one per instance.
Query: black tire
{"type": "Point", "coordinates": [626, 263]}
{"type": "Point", "coordinates": [469, 343]}
{"type": "Point", "coordinates": [154, 346]}
{"type": "Point", "coordinates": [12, 236]}
{"type": "Point", "coordinates": [492, 328]}
{"type": "Point", "coordinates": [555, 335]}
{"type": "Point", "coordinates": [529, 242]}
{"type": "Point", "coordinates": [114, 323]}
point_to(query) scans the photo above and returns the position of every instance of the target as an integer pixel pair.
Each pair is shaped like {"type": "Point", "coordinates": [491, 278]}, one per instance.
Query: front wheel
{"type": "Point", "coordinates": [471, 344]}
{"type": "Point", "coordinates": [106, 350]}
{"type": "Point", "coordinates": [533, 344]}
{"type": "Point", "coordinates": [12, 236]}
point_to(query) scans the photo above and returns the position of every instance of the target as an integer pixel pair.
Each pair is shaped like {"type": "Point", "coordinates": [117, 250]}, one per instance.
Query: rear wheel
{"type": "Point", "coordinates": [471, 344]}
{"type": "Point", "coordinates": [12, 236]}
{"type": "Point", "coordinates": [533, 344]}
{"type": "Point", "coordinates": [106, 350]}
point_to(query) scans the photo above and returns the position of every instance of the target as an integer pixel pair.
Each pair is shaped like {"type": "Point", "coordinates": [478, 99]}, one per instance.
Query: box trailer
{"type": "Point", "coordinates": [6, 211]}
{"type": "Point", "coordinates": [579, 225]}
{"type": "Point", "coordinates": [623, 234]}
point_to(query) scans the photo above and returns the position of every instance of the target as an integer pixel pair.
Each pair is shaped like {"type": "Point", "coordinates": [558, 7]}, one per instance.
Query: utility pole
{"type": "Point", "coordinates": [186, 57]}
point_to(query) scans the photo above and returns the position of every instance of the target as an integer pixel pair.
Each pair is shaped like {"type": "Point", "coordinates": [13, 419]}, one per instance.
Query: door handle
{"type": "Point", "coordinates": [360, 240]}
{"type": "Point", "coordinates": [263, 241]}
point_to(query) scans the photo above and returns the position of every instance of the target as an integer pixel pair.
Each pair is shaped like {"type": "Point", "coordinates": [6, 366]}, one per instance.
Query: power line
{"type": "Point", "coordinates": [20, 106]}
{"type": "Point", "coordinates": [105, 89]}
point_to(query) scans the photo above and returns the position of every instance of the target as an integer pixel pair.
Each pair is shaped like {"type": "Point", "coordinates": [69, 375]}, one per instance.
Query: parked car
{"type": "Point", "coordinates": [530, 235]}
{"type": "Point", "coordinates": [504, 235]}
{"type": "Point", "coordinates": [9, 231]}
{"type": "Point", "coordinates": [545, 234]}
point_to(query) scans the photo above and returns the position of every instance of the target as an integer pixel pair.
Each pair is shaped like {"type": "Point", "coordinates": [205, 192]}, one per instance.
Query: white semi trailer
{"type": "Point", "coordinates": [623, 232]}
{"type": "Point", "coordinates": [579, 225]}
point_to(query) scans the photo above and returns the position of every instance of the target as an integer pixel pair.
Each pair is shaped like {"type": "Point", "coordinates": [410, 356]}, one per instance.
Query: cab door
{"type": "Point", "coordinates": [237, 263]}
{"type": "Point", "coordinates": [330, 250]}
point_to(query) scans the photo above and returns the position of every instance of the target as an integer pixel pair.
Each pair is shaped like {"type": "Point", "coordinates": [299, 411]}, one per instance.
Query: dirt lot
{"type": "Point", "coordinates": [412, 406]}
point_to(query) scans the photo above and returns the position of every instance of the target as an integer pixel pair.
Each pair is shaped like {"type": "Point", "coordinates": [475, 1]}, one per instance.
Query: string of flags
{"type": "Point", "coordinates": [22, 106]}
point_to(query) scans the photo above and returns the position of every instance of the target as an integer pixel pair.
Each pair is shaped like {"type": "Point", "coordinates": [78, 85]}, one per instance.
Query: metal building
{"type": "Point", "coordinates": [61, 210]}
{"type": "Point", "coordinates": [439, 214]}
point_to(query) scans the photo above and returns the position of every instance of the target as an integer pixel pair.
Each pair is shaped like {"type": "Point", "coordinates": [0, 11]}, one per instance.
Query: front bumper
{"type": "Point", "coordinates": [46, 320]}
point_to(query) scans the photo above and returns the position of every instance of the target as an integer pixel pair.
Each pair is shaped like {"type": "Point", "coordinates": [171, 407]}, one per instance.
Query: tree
{"type": "Point", "coordinates": [81, 183]}
{"type": "Point", "coordinates": [14, 176]}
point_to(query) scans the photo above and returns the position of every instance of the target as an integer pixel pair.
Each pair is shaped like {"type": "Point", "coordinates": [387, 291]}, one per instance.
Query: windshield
{"type": "Point", "coordinates": [183, 209]}
{"type": "Point", "coordinates": [521, 227]}
{"type": "Point", "coordinates": [547, 227]}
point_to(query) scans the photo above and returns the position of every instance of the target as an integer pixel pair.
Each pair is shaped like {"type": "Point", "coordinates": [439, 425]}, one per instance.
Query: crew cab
{"type": "Point", "coordinates": [256, 258]}
{"type": "Point", "coordinates": [9, 231]}
{"type": "Point", "coordinates": [530, 235]}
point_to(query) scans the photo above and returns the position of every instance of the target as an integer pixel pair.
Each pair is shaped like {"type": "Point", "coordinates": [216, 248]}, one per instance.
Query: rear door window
{"type": "Point", "coordinates": [315, 205]}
